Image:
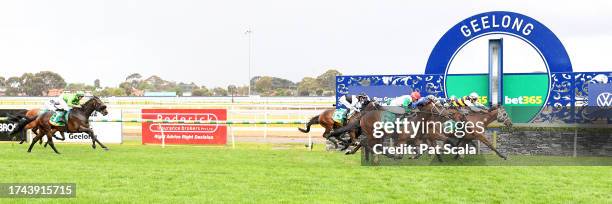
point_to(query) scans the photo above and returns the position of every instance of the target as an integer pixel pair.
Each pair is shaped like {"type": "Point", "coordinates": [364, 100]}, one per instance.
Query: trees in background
{"type": "Point", "coordinates": [323, 85]}
{"type": "Point", "coordinates": [32, 84]}
{"type": "Point", "coordinates": [38, 84]}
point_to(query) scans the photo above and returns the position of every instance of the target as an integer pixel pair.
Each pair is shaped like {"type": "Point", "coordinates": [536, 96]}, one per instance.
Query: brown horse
{"type": "Point", "coordinates": [497, 113]}
{"type": "Point", "coordinates": [424, 113]}
{"type": "Point", "coordinates": [78, 122]}
{"type": "Point", "coordinates": [352, 127]}
{"type": "Point", "coordinates": [28, 121]}
{"type": "Point", "coordinates": [366, 123]}
{"type": "Point", "coordinates": [333, 130]}
{"type": "Point", "coordinates": [325, 119]}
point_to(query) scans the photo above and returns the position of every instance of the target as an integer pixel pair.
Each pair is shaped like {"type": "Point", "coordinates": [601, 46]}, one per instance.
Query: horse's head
{"type": "Point", "coordinates": [371, 105]}
{"type": "Point", "coordinates": [98, 105]}
{"type": "Point", "coordinates": [503, 117]}
{"type": "Point", "coordinates": [430, 105]}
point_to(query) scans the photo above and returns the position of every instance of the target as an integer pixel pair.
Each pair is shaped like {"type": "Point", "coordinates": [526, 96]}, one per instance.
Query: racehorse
{"type": "Point", "coordinates": [366, 124]}
{"type": "Point", "coordinates": [78, 122]}
{"type": "Point", "coordinates": [28, 122]}
{"type": "Point", "coordinates": [425, 108]}
{"type": "Point", "coordinates": [352, 127]}
{"type": "Point", "coordinates": [496, 113]}
{"type": "Point", "coordinates": [325, 119]}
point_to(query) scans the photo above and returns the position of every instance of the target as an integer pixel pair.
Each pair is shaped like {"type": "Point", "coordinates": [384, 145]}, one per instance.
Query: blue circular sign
{"type": "Point", "coordinates": [523, 27]}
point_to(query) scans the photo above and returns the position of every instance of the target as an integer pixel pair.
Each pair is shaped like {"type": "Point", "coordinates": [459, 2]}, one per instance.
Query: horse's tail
{"type": "Point", "coordinates": [20, 122]}
{"type": "Point", "coordinates": [313, 120]}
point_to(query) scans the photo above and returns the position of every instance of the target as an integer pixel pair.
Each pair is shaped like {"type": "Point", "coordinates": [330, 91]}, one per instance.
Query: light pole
{"type": "Point", "coordinates": [249, 32]}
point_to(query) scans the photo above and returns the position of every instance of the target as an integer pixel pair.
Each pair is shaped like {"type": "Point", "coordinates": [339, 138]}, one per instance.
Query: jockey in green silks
{"type": "Point", "coordinates": [408, 102]}
{"type": "Point", "coordinates": [63, 104]}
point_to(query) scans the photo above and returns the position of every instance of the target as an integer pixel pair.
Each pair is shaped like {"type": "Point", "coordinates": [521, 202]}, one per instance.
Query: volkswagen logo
{"type": "Point", "coordinates": [604, 99]}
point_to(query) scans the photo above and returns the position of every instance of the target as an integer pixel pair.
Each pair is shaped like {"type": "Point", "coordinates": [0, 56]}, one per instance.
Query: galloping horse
{"type": "Point", "coordinates": [28, 122]}
{"type": "Point", "coordinates": [325, 119]}
{"type": "Point", "coordinates": [442, 115]}
{"type": "Point", "coordinates": [497, 113]}
{"type": "Point", "coordinates": [366, 124]}
{"type": "Point", "coordinates": [78, 122]}
{"type": "Point", "coordinates": [428, 107]}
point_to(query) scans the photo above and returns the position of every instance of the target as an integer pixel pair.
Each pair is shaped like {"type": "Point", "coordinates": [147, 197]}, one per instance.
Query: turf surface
{"type": "Point", "coordinates": [269, 173]}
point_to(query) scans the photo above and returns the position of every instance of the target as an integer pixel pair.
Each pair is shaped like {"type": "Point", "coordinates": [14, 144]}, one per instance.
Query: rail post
{"type": "Point", "coordinates": [163, 139]}
{"type": "Point", "coordinates": [494, 139]}
{"type": "Point", "coordinates": [266, 125]}
{"type": "Point", "coordinates": [232, 135]}
{"type": "Point", "coordinates": [575, 154]}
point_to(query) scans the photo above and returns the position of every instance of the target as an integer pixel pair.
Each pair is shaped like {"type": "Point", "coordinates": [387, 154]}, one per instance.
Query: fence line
{"type": "Point", "coordinates": [212, 122]}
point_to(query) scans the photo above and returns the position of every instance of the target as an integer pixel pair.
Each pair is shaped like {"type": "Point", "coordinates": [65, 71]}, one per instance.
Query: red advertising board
{"type": "Point", "coordinates": [184, 133]}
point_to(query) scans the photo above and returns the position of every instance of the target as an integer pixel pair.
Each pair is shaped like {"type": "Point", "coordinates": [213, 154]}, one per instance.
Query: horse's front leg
{"type": "Point", "coordinates": [91, 135]}
{"type": "Point", "coordinates": [327, 134]}
{"type": "Point", "coordinates": [441, 137]}
{"type": "Point", "coordinates": [94, 139]}
{"type": "Point", "coordinates": [50, 142]}
{"type": "Point", "coordinates": [484, 140]}
{"type": "Point", "coordinates": [462, 143]}
{"type": "Point", "coordinates": [38, 137]}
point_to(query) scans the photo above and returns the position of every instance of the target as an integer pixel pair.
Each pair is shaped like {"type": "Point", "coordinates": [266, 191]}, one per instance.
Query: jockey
{"type": "Point", "coordinates": [471, 102]}
{"type": "Point", "coordinates": [354, 102]}
{"type": "Point", "coordinates": [449, 102]}
{"type": "Point", "coordinates": [63, 104]}
{"type": "Point", "coordinates": [408, 102]}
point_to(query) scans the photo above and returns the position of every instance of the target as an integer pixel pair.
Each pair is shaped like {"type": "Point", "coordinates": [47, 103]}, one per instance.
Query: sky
{"type": "Point", "coordinates": [205, 41]}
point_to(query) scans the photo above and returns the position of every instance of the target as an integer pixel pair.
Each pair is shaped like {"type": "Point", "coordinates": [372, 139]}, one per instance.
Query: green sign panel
{"type": "Point", "coordinates": [523, 94]}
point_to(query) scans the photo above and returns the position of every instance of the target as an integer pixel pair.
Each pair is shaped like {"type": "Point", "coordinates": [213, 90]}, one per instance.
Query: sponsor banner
{"type": "Point", "coordinates": [379, 94]}
{"type": "Point", "coordinates": [184, 133]}
{"type": "Point", "coordinates": [600, 101]}
{"type": "Point", "coordinates": [519, 90]}
{"type": "Point", "coordinates": [462, 85]}
{"type": "Point", "coordinates": [107, 132]}
{"type": "Point", "coordinates": [600, 95]}
{"type": "Point", "coordinates": [6, 127]}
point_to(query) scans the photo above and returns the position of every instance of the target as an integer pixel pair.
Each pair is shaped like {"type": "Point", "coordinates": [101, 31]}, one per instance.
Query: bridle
{"type": "Point", "coordinates": [438, 111]}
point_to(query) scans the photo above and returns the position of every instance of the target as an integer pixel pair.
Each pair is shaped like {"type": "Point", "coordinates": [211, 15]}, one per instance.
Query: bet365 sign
{"type": "Point", "coordinates": [524, 100]}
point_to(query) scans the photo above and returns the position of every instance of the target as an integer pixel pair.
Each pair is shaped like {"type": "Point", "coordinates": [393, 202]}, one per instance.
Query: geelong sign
{"type": "Point", "coordinates": [184, 133]}
{"type": "Point", "coordinates": [523, 27]}
{"type": "Point", "coordinates": [107, 132]}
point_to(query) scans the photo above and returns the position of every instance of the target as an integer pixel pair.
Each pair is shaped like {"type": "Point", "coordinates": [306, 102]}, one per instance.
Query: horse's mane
{"type": "Point", "coordinates": [87, 103]}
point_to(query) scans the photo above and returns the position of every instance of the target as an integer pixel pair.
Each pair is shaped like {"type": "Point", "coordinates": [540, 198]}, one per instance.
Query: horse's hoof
{"type": "Point", "coordinates": [106, 149]}
{"type": "Point", "coordinates": [93, 146]}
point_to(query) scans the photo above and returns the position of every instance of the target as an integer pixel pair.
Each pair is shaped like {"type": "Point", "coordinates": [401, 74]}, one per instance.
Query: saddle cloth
{"type": "Point", "coordinates": [55, 118]}
{"type": "Point", "coordinates": [340, 115]}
